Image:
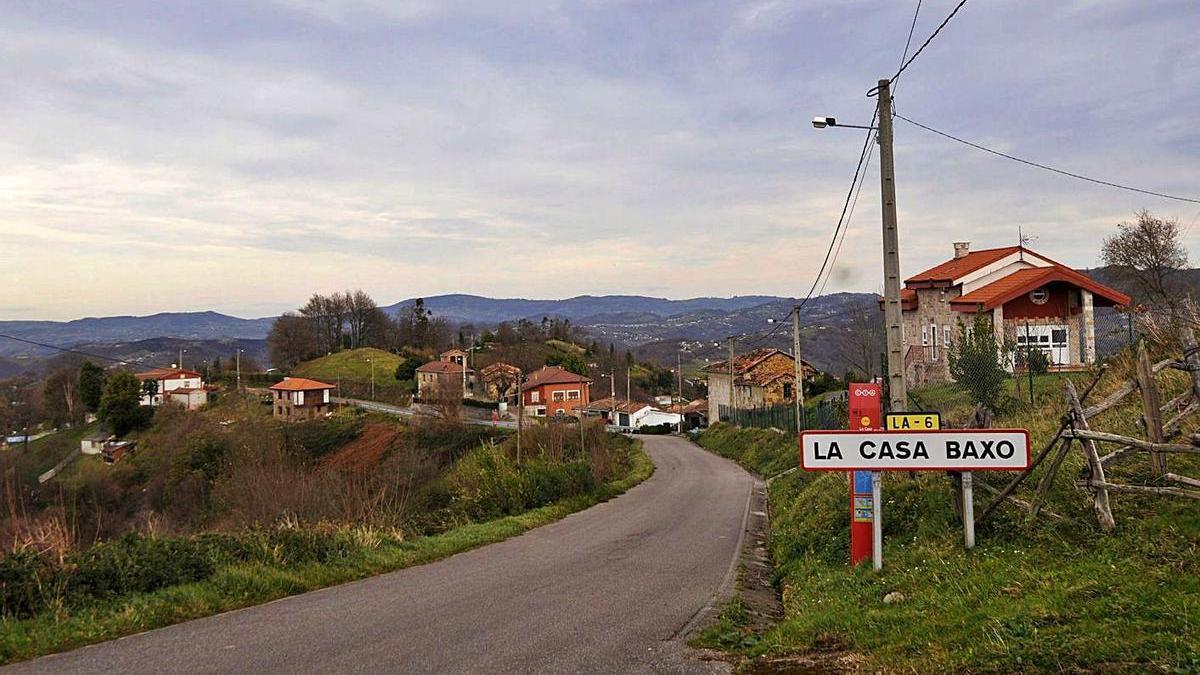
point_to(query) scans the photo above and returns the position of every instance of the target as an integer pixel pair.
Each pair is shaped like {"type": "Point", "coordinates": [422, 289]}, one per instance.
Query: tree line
{"type": "Point", "coordinates": [350, 320]}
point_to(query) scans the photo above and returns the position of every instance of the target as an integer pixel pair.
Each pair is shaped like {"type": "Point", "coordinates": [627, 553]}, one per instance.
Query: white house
{"type": "Point", "coordinates": [175, 385]}
{"type": "Point", "coordinates": [630, 414]}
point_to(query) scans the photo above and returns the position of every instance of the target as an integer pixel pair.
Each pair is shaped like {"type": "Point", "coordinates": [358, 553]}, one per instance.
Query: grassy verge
{"type": "Point", "coordinates": [243, 585]}
{"type": "Point", "coordinates": [1031, 597]}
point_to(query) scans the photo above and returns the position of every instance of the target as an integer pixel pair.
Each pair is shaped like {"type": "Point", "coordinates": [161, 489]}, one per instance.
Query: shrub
{"type": "Point", "coordinates": [546, 483]}
{"type": "Point", "coordinates": [27, 582]}
{"type": "Point", "coordinates": [320, 437]}
{"type": "Point", "coordinates": [136, 564]}
{"type": "Point", "coordinates": [978, 363]}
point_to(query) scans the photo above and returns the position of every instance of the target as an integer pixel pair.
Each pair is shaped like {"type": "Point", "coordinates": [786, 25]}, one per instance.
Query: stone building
{"type": "Point", "coordinates": [762, 377]}
{"type": "Point", "coordinates": [1031, 301]}
{"type": "Point", "coordinates": [299, 398]}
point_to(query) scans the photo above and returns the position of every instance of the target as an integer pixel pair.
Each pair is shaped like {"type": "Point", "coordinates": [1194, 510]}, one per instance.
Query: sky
{"type": "Point", "coordinates": [239, 156]}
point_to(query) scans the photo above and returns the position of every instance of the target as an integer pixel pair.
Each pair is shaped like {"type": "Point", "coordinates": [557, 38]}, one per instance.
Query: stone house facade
{"type": "Point", "coordinates": [1032, 302]}
{"type": "Point", "coordinates": [762, 377]}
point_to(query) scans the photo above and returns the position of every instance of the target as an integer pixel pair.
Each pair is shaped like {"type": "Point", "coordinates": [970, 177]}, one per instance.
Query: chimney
{"type": "Point", "coordinates": [961, 249]}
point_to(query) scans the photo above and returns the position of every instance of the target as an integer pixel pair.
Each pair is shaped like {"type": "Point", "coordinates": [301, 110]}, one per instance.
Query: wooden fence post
{"type": "Point", "coordinates": [1151, 408]}
{"type": "Point", "coordinates": [1096, 479]}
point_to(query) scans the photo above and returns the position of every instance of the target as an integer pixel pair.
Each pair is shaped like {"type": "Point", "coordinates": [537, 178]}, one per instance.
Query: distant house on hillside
{"type": "Point", "coordinates": [444, 375]}
{"type": "Point", "coordinates": [762, 377]}
{"type": "Point", "coordinates": [554, 390]}
{"type": "Point", "coordinates": [1032, 301]}
{"type": "Point", "coordinates": [500, 380]}
{"type": "Point", "coordinates": [695, 413]}
{"type": "Point", "coordinates": [175, 385]}
{"type": "Point", "coordinates": [299, 398]}
{"type": "Point", "coordinates": [93, 443]}
{"type": "Point", "coordinates": [629, 414]}
{"type": "Point", "coordinates": [453, 355]}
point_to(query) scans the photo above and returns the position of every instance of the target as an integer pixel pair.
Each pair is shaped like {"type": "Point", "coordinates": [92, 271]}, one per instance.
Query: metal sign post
{"type": "Point", "coordinates": [864, 411]}
{"type": "Point", "coordinates": [877, 521]}
{"type": "Point", "coordinates": [968, 510]}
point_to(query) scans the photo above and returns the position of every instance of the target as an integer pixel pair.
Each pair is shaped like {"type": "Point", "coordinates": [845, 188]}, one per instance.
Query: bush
{"type": "Point", "coordinates": [546, 483]}
{"type": "Point", "coordinates": [320, 437]}
{"type": "Point", "coordinates": [27, 582]}
{"type": "Point", "coordinates": [978, 363]}
{"type": "Point", "coordinates": [136, 564]}
{"type": "Point", "coordinates": [656, 430]}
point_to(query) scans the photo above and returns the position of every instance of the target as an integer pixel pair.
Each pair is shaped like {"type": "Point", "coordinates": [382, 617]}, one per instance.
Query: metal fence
{"type": "Point", "coordinates": [828, 414]}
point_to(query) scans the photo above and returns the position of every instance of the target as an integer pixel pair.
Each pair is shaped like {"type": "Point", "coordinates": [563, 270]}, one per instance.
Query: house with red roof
{"type": "Point", "coordinates": [762, 377]}
{"type": "Point", "coordinates": [1032, 301]}
{"type": "Point", "coordinates": [444, 375]}
{"type": "Point", "coordinates": [174, 385]}
{"type": "Point", "coordinates": [554, 390]}
{"type": "Point", "coordinates": [299, 398]}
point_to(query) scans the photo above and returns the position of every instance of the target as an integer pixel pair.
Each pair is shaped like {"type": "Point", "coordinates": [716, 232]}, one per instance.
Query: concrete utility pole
{"type": "Point", "coordinates": [731, 377]}
{"type": "Point", "coordinates": [520, 414]}
{"type": "Point", "coordinates": [679, 387]}
{"type": "Point", "coordinates": [628, 372]}
{"type": "Point", "coordinates": [897, 388]}
{"type": "Point", "coordinates": [237, 358]}
{"type": "Point", "coordinates": [372, 362]}
{"type": "Point", "coordinates": [799, 394]}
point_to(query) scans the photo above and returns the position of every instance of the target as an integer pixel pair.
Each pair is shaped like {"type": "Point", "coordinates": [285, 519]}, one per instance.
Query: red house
{"type": "Point", "coordinates": [555, 391]}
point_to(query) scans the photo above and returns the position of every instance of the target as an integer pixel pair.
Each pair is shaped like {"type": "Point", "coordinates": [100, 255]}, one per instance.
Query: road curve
{"type": "Point", "coordinates": [609, 589]}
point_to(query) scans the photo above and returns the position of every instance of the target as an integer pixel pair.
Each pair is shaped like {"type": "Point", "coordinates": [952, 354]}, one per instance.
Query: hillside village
{"type": "Point", "coordinates": [412, 337]}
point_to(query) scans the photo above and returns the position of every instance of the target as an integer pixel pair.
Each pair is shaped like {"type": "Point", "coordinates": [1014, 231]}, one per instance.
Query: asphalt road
{"type": "Point", "coordinates": [615, 588]}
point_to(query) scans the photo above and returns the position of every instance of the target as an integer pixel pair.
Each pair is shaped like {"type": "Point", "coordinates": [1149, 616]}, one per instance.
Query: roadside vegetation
{"type": "Point", "coordinates": [226, 507]}
{"type": "Point", "coordinates": [1032, 596]}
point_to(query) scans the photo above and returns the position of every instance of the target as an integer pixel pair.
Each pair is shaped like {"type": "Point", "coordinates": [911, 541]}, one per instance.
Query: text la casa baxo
{"type": "Point", "coordinates": [901, 449]}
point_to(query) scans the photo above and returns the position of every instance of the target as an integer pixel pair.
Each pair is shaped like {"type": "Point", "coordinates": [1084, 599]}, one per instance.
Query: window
{"type": "Point", "coordinates": [573, 395]}
{"type": "Point", "coordinates": [787, 390]}
{"type": "Point", "coordinates": [924, 336]}
{"type": "Point", "coordinates": [559, 395]}
{"type": "Point", "coordinates": [535, 396]}
{"type": "Point", "coordinates": [933, 343]}
{"type": "Point", "coordinates": [946, 336]}
{"type": "Point", "coordinates": [540, 412]}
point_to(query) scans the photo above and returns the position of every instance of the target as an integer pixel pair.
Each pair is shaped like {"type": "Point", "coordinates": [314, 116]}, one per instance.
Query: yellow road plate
{"type": "Point", "coordinates": [918, 421]}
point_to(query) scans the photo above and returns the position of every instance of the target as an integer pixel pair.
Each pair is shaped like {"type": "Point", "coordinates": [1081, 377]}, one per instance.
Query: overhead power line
{"type": "Point", "coordinates": [1045, 167]}
{"type": "Point", "coordinates": [929, 39]}
{"type": "Point", "coordinates": [67, 350]}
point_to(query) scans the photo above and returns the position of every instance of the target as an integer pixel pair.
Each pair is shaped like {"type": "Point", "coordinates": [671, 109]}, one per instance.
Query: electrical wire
{"type": "Point", "coordinates": [1045, 167]}
{"type": "Point", "coordinates": [67, 350]}
{"type": "Point", "coordinates": [929, 39]}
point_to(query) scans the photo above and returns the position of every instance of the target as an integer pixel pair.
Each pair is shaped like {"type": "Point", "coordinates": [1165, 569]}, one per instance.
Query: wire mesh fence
{"type": "Point", "coordinates": [827, 414]}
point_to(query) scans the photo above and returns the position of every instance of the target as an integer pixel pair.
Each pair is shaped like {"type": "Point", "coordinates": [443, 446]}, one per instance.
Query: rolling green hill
{"type": "Point", "coordinates": [351, 371]}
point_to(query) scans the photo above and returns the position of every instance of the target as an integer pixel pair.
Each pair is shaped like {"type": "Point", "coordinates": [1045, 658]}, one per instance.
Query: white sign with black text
{"type": "Point", "coordinates": [944, 450]}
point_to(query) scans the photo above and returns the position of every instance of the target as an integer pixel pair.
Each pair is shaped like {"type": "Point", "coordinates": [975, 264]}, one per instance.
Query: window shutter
{"type": "Point", "coordinates": [924, 336]}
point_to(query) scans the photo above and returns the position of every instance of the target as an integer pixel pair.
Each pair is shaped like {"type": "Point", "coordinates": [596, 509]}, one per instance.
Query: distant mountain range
{"type": "Point", "coordinates": [461, 308]}
{"type": "Point", "coordinates": [655, 326]}
{"type": "Point", "coordinates": [626, 321]}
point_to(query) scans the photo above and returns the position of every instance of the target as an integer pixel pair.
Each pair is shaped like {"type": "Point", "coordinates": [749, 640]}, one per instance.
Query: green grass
{"type": "Point", "coordinates": [1032, 596]}
{"type": "Point", "coordinates": [351, 370]}
{"type": "Point", "coordinates": [351, 364]}
{"type": "Point", "coordinates": [243, 585]}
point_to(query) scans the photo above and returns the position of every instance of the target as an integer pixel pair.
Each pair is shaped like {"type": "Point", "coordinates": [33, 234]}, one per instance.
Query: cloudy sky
{"type": "Point", "coordinates": [239, 156]}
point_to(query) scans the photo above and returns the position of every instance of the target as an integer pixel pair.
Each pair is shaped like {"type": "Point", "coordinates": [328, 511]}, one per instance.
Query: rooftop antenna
{"type": "Point", "coordinates": [1022, 240]}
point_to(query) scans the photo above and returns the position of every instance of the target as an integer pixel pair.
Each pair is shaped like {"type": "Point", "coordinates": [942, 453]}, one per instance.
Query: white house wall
{"type": "Point", "coordinates": [999, 269]}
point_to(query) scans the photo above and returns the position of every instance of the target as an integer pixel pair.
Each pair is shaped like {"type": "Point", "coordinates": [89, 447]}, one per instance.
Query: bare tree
{"type": "Point", "coordinates": [863, 343]}
{"type": "Point", "coordinates": [292, 339]}
{"type": "Point", "coordinates": [1146, 257]}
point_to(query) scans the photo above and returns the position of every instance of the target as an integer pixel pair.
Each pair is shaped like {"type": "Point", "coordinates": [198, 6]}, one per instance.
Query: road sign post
{"type": "Point", "coordinates": [959, 450]}
{"type": "Point", "coordinates": [864, 412]}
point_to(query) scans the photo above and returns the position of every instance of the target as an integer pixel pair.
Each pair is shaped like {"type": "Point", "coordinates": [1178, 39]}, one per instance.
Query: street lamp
{"type": "Point", "coordinates": [822, 122]}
